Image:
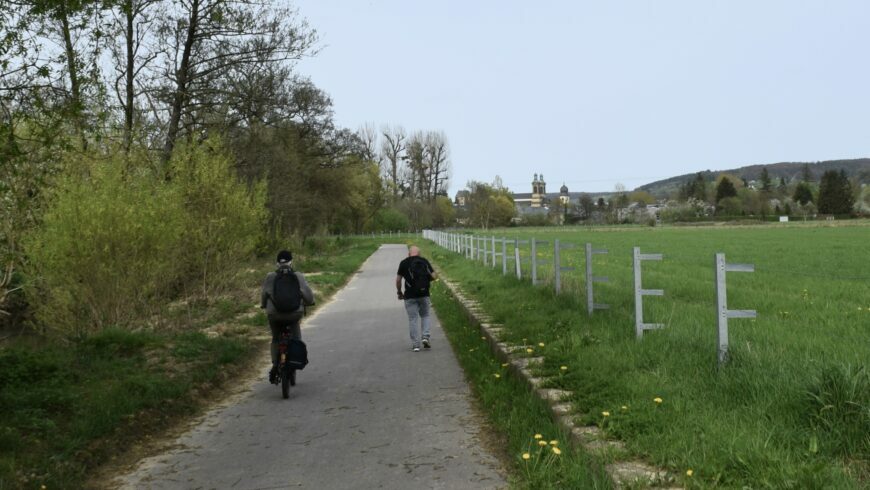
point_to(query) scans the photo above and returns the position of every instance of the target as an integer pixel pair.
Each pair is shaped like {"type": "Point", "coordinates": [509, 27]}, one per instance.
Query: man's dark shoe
{"type": "Point", "coordinates": [426, 343]}
{"type": "Point", "coordinates": [273, 375]}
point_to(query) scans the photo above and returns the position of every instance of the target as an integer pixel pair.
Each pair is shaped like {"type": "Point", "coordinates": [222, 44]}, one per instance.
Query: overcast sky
{"type": "Point", "coordinates": [595, 93]}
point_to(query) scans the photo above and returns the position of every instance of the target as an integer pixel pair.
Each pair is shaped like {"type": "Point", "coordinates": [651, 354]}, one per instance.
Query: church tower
{"type": "Point", "coordinates": [539, 191]}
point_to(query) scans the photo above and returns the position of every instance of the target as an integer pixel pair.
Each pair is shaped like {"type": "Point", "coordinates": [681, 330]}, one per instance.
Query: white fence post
{"type": "Point", "coordinates": [639, 293]}
{"type": "Point", "coordinates": [557, 263]}
{"type": "Point", "coordinates": [534, 259]}
{"type": "Point", "coordinates": [483, 249]}
{"type": "Point", "coordinates": [494, 253]}
{"type": "Point", "coordinates": [504, 258]}
{"type": "Point", "coordinates": [591, 305]}
{"type": "Point", "coordinates": [722, 311]}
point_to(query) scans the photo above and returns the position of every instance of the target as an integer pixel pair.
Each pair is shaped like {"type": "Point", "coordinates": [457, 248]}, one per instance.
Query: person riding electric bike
{"type": "Point", "coordinates": [284, 296]}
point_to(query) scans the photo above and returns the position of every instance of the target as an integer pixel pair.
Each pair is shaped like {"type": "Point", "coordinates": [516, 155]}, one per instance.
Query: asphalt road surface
{"type": "Point", "coordinates": [367, 412]}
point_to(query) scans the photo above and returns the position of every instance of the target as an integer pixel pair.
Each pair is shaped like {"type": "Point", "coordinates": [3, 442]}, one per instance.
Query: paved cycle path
{"type": "Point", "coordinates": [367, 412]}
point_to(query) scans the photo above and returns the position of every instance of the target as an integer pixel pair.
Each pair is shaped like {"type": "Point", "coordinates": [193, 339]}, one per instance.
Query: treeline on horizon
{"type": "Point", "coordinates": [700, 197]}
{"type": "Point", "coordinates": [149, 147]}
{"type": "Point", "coordinates": [834, 192]}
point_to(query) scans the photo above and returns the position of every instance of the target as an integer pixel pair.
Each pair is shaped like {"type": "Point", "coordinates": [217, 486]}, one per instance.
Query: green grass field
{"type": "Point", "coordinates": [792, 407]}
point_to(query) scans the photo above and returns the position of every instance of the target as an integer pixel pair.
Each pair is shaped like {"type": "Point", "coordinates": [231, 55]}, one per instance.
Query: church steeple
{"type": "Point", "coordinates": [539, 189]}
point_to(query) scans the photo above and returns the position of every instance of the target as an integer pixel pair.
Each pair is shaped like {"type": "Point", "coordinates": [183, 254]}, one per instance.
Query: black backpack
{"type": "Point", "coordinates": [297, 354]}
{"type": "Point", "coordinates": [419, 275]}
{"type": "Point", "coordinates": [286, 292]}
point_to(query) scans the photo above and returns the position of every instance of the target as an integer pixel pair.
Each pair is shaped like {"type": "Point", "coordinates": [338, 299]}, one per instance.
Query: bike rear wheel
{"type": "Point", "coordinates": [288, 376]}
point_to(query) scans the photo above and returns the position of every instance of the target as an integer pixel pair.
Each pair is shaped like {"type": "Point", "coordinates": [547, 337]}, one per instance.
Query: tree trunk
{"type": "Point", "coordinates": [182, 75]}
{"type": "Point", "coordinates": [75, 84]}
{"type": "Point", "coordinates": [128, 103]}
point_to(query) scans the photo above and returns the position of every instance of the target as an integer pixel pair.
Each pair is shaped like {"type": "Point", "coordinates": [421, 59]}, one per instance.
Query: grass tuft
{"type": "Point", "coordinates": [838, 411]}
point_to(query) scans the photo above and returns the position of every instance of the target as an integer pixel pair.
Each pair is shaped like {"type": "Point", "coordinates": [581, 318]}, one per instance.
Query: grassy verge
{"type": "Point", "coordinates": [65, 408]}
{"type": "Point", "coordinates": [68, 408]}
{"type": "Point", "coordinates": [792, 408]}
{"type": "Point", "coordinates": [516, 415]}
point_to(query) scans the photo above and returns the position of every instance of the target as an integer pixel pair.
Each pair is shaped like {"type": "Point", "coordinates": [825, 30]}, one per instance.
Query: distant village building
{"type": "Point", "coordinates": [535, 199]}
{"type": "Point", "coordinates": [539, 200]}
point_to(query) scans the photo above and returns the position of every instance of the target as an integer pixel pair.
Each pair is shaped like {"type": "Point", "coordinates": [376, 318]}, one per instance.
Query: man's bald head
{"type": "Point", "coordinates": [413, 251]}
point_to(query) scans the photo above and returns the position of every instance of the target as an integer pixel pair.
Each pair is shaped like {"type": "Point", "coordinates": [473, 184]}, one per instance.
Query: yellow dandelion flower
{"type": "Point", "coordinates": [657, 400]}
{"type": "Point", "coordinates": [624, 407]}
{"type": "Point", "coordinates": [505, 364]}
{"type": "Point", "coordinates": [605, 414]}
{"type": "Point", "coordinates": [497, 375]}
{"type": "Point", "coordinates": [554, 442]}
{"type": "Point", "coordinates": [530, 350]}
{"type": "Point", "coordinates": [542, 443]}
{"type": "Point", "coordinates": [526, 456]}
{"type": "Point", "coordinates": [538, 436]}
{"type": "Point", "coordinates": [689, 472]}
{"type": "Point", "coordinates": [540, 344]}
{"type": "Point", "coordinates": [563, 368]}
{"type": "Point", "coordinates": [556, 450]}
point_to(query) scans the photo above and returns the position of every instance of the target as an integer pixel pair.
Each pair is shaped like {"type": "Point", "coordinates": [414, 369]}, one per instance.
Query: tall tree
{"type": "Point", "coordinates": [76, 27]}
{"type": "Point", "coordinates": [437, 165]}
{"type": "Point", "coordinates": [392, 149]}
{"type": "Point", "coordinates": [765, 180]}
{"type": "Point", "coordinates": [587, 205]}
{"type": "Point", "coordinates": [489, 205]}
{"type": "Point", "coordinates": [368, 137]}
{"type": "Point", "coordinates": [725, 189]}
{"type": "Point", "coordinates": [803, 193]}
{"type": "Point", "coordinates": [835, 193]}
{"type": "Point", "coordinates": [207, 39]}
{"type": "Point", "coordinates": [133, 19]}
{"type": "Point", "coordinates": [415, 177]}
{"type": "Point", "coordinates": [694, 188]}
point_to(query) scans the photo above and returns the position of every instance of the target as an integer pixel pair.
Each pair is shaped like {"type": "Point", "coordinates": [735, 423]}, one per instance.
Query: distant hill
{"type": "Point", "coordinates": [790, 171]}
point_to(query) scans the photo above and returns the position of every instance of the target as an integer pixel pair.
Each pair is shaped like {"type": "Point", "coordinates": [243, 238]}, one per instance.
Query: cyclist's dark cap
{"type": "Point", "coordinates": [284, 257]}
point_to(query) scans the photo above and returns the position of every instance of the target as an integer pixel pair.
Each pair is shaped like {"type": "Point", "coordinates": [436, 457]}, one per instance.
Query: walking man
{"type": "Point", "coordinates": [285, 295]}
{"type": "Point", "coordinates": [417, 273]}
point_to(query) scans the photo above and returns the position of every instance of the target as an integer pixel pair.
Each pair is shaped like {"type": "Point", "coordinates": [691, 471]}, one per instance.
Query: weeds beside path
{"type": "Point", "coordinates": [533, 446]}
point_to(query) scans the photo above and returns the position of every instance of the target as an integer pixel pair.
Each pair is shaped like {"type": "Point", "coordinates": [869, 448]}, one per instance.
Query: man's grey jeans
{"type": "Point", "coordinates": [418, 308]}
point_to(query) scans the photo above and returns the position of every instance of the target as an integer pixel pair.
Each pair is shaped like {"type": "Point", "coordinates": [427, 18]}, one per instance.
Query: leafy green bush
{"type": "Point", "coordinates": [391, 219]}
{"type": "Point", "coordinates": [106, 249]}
{"type": "Point", "coordinates": [117, 238]}
{"type": "Point", "coordinates": [225, 219]}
